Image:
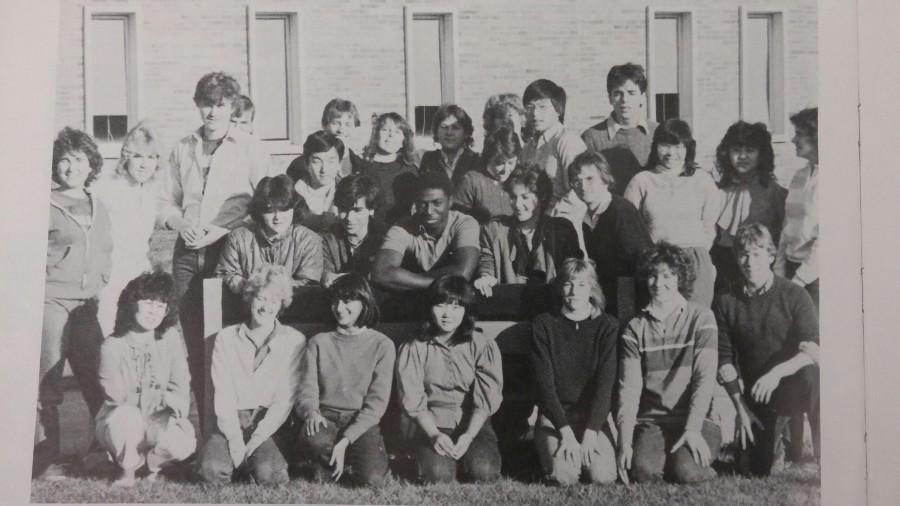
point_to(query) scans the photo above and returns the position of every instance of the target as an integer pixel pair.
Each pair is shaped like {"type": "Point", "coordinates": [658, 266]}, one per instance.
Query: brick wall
{"type": "Point", "coordinates": [354, 49]}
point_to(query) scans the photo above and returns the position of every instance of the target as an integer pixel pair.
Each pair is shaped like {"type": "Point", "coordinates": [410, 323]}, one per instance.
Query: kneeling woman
{"type": "Point", "coordinates": [145, 381]}
{"type": "Point", "coordinates": [667, 372]}
{"type": "Point", "coordinates": [254, 376]}
{"type": "Point", "coordinates": [450, 380]}
{"type": "Point", "coordinates": [345, 386]}
{"type": "Point", "coordinates": [574, 362]}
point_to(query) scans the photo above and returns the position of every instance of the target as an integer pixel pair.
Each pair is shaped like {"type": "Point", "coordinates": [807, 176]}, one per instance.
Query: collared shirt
{"type": "Point", "coordinates": [552, 152]}
{"type": "Point", "coordinates": [247, 248]}
{"type": "Point", "coordinates": [667, 369]}
{"type": "Point", "coordinates": [221, 197]}
{"type": "Point", "coordinates": [799, 238]}
{"type": "Point", "coordinates": [591, 218]}
{"type": "Point", "coordinates": [424, 250]}
{"type": "Point", "coordinates": [749, 292]}
{"type": "Point", "coordinates": [319, 200]}
{"type": "Point", "coordinates": [240, 384]}
{"type": "Point", "coordinates": [450, 381]}
{"type": "Point", "coordinates": [614, 126]}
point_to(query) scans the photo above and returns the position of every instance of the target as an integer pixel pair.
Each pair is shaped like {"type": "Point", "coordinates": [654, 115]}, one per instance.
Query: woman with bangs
{"type": "Point", "coordinates": [78, 257]}
{"type": "Point", "coordinates": [453, 132]}
{"type": "Point", "coordinates": [528, 247]}
{"type": "Point", "coordinates": [131, 195]}
{"type": "Point", "coordinates": [750, 194]}
{"type": "Point", "coordinates": [255, 373]}
{"type": "Point", "coordinates": [315, 174]}
{"type": "Point", "coordinates": [679, 202]}
{"type": "Point", "coordinates": [146, 384]}
{"type": "Point", "coordinates": [450, 381]}
{"type": "Point", "coordinates": [480, 193]}
{"type": "Point", "coordinates": [390, 160]}
{"type": "Point", "coordinates": [504, 109]}
{"type": "Point", "coordinates": [574, 361]}
{"type": "Point", "coordinates": [345, 385]}
{"type": "Point", "coordinates": [273, 238]}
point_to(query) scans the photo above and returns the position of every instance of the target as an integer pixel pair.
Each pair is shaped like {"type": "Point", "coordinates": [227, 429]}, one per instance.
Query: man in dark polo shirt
{"type": "Point", "coordinates": [433, 242]}
{"type": "Point", "coordinates": [768, 339]}
{"type": "Point", "coordinates": [624, 138]}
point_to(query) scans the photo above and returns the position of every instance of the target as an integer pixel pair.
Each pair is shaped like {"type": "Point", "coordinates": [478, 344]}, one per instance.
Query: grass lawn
{"type": "Point", "coordinates": [795, 485]}
{"type": "Point", "coordinates": [792, 486]}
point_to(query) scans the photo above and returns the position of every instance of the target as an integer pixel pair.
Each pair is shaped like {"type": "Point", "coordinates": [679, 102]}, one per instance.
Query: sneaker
{"type": "Point", "coordinates": [54, 472]}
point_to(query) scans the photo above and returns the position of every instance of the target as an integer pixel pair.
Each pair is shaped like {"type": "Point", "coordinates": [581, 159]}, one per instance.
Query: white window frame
{"type": "Point", "coordinates": [449, 53]}
{"type": "Point", "coordinates": [687, 57]}
{"type": "Point", "coordinates": [778, 51]}
{"type": "Point", "coordinates": [131, 12]}
{"type": "Point", "coordinates": [295, 57]}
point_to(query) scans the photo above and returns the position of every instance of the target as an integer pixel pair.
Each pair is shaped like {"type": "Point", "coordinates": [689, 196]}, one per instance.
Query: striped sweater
{"type": "Point", "coordinates": [667, 367]}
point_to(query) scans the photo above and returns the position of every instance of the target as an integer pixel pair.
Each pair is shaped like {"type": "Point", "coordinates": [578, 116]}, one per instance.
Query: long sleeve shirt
{"type": "Point", "coordinates": [397, 183]}
{"type": "Point", "coordinates": [667, 367]}
{"type": "Point", "coordinates": [349, 374]}
{"type": "Point", "coordinates": [574, 365]}
{"type": "Point", "coordinates": [626, 149]}
{"type": "Point", "coordinates": [247, 248]}
{"type": "Point", "coordinates": [759, 331]}
{"type": "Point", "coordinates": [552, 151]}
{"type": "Point", "coordinates": [800, 236]}
{"type": "Point", "coordinates": [78, 248]}
{"type": "Point", "coordinates": [133, 209]}
{"type": "Point", "coordinates": [340, 257]}
{"type": "Point", "coordinates": [218, 195]}
{"type": "Point", "coordinates": [553, 242]}
{"type": "Point", "coordinates": [243, 384]}
{"type": "Point", "coordinates": [451, 381]}
{"type": "Point", "coordinates": [748, 201]}
{"type": "Point", "coordinates": [437, 161]}
{"type": "Point", "coordinates": [679, 209]}
{"type": "Point", "coordinates": [481, 197]}
{"type": "Point", "coordinates": [150, 374]}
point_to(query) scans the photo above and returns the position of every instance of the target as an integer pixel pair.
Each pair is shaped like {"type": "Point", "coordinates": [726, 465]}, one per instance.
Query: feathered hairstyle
{"type": "Point", "coordinates": [675, 259]}
{"type": "Point", "coordinates": [407, 153]}
{"type": "Point", "coordinates": [157, 286]}
{"type": "Point", "coordinates": [273, 194]}
{"type": "Point", "coordinates": [143, 134]}
{"type": "Point", "coordinates": [269, 276]}
{"type": "Point", "coordinates": [575, 267]}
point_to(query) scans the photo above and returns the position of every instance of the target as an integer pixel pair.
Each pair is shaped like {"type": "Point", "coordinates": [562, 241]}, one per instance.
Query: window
{"type": "Point", "coordinates": [430, 68]}
{"type": "Point", "coordinates": [670, 61]}
{"type": "Point", "coordinates": [274, 69]}
{"type": "Point", "coordinates": [110, 76]}
{"type": "Point", "coordinates": [763, 69]}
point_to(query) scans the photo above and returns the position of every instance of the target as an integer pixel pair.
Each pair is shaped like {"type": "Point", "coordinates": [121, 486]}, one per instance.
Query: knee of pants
{"type": "Point", "coordinates": [438, 473]}
{"type": "Point", "coordinates": [483, 471]}
{"type": "Point", "coordinates": [564, 473]}
{"type": "Point", "coordinates": [371, 476]}
{"type": "Point", "coordinates": [685, 470]}
{"type": "Point", "coordinates": [214, 470]}
{"type": "Point", "coordinates": [603, 469]}
{"type": "Point", "coordinates": [643, 471]}
{"type": "Point", "coordinates": [123, 422]}
{"type": "Point", "coordinates": [178, 444]}
{"type": "Point", "coordinates": [268, 473]}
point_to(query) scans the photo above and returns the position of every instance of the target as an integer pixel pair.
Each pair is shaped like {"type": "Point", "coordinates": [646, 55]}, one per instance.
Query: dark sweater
{"type": "Point", "coordinates": [615, 244]}
{"type": "Point", "coordinates": [433, 161]}
{"type": "Point", "coordinates": [759, 332]}
{"type": "Point", "coordinates": [627, 152]}
{"type": "Point", "coordinates": [575, 367]}
{"type": "Point", "coordinates": [397, 181]}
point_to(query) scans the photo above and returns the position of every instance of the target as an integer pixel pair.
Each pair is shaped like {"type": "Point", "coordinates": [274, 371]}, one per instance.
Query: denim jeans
{"type": "Point", "coordinates": [796, 394]}
{"type": "Point", "coordinates": [653, 458]}
{"type": "Point", "coordinates": [481, 462]}
{"type": "Point", "coordinates": [365, 461]}
{"type": "Point", "coordinates": [189, 269]}
{"type": "Point", "coordinates": [266, 466]}
{"type": "Point", "coordinates": [70, 332]}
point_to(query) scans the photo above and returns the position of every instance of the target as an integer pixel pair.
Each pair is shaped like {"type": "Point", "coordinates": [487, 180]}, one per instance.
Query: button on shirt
{"type": "Point", "coordinates": [667, 369]}
{"type": "Point", "coordinates": [245, 380]}
{"type": "Point", "coordinates": [411, 239]}
{"type": "Point", "coordinates": [220, 197]}
{"type": "Point", "coordinates": [552, 152]}
{"type": "Point", "coordinates": [450, 380]}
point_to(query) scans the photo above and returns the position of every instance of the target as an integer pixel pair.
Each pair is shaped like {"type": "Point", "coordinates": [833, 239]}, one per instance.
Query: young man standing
{"type": "Point", "coordinates": [207, 189]}
{"type": "Point", "coordinates": [624, 138]}
{"type": "Point", "coordinates": [433, 242]}
{"type": "Point", "coordinates": [768, 337]}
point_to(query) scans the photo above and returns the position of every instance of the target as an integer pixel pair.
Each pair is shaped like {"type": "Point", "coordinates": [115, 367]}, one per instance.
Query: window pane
{"type": "Point", "coordinates": [270, 90]}
{"type": "Point", "coordinates": [666, 67]}
{"type": "Point", "coordinates": [109, 81]}
{"type": "Point", "coordinates": [756, 94]}
{"type": "Point", "coordinates": [427, 76]}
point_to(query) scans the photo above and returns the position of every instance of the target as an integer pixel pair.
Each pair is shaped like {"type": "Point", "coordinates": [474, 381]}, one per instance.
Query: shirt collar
{"type": "Point", "coordinates": [761, 290]}
{"type": "Point", "coordinates": [613, 126]}
{"type": "Point", "coordinates": [677, 307]}
{"type": "Point", "coordinates": [198, 135]}
{"type": "Point", "coordinates": [420, 228]}
{"type": "Point", "coordinates": [271, 340]}
{"type": "Point", "coordinates": [552, 132]}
